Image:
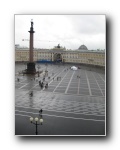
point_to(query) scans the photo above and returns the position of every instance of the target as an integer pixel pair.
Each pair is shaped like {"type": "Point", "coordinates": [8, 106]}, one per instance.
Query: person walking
{"type": "Point", "coordinates": [40, 82]}
{"type": "Point", "coordinates": [40, 112]}
{"type": "Point", "coordinates": [31, 94]}
{"type": "Point", "coordinates": [41, 85]}
{"type": "Point", "coordinates": [46, 86]}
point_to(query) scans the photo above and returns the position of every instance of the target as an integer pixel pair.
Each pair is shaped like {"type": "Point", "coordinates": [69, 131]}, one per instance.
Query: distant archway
{"type": "Point", "coordinates": [57, 57]}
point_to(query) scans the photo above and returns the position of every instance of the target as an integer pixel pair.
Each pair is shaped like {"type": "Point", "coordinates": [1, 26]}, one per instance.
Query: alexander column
{"type": "Point", "coordinates": [31, 65]}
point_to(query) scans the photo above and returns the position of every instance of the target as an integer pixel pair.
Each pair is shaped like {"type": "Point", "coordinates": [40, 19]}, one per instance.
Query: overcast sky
{"type": "Point", "coordinates": [70, 31]}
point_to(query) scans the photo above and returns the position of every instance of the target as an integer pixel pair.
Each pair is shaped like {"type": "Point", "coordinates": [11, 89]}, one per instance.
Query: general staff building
{"type": "Point", "coordinates": [59, 54]}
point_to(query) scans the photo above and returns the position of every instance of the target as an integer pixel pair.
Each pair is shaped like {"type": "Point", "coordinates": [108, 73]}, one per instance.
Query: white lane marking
{"type": "Point", "coordinates": [101, 77]}
{"type": "Point", "coordinates": [23, 86]}
{"type": "Point", "coordinates": [22, 80]}
{"type": "Point", "coordinates": [88, 84]}
{"type": "Point", "coordinates": [92, 114]}
{"type": "Point", "coordinates": [60, 116]}
{"type": "Point", "coordinates": [26, 112]}
{"type": "Point", "coordinates": [69, 82]}
{"type": "Point", "coordinates": [50, 72]}
{"type": "Point", "coordinates": [22, 115]}
{"type": "Point", "coordinates": [53, 77]}
{"type": "Point", "coordinates": [81, 95]}
{"type": "Point", "coordinates": [72, 117]}
{"type": "Point", "coordinates": [43, 88]}
{"type": "Point", "coordinates": [61, 80]}
{"type": "Point", "coordinates": [97, 84]}
{"type": "Point", "coordinates": [34, 86]}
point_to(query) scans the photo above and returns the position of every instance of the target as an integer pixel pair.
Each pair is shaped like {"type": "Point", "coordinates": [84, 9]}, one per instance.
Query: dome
{"type": "Point", "coordinates": [83, 47]}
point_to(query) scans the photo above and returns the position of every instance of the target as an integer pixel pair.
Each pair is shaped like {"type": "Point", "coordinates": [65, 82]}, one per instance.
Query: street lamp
{"type": "Point", "coordinates": [25, 65]}
{"type": "Point", "coordinates": [46, 67]}
{"type": "Point", "coordinates": [35, 122]}
{"type": "Point", "coordinates": [38, 67]}
{"type": "Point", "coordinates": [46, 72]}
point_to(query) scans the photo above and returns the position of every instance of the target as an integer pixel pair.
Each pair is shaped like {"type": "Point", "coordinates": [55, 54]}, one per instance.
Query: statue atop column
{"type": "Point", "coordinates": [58, 46]}
{"type": "Point", "coordinates": [31, 28]}
{"type": "Point", "coordinates": [32, 23]}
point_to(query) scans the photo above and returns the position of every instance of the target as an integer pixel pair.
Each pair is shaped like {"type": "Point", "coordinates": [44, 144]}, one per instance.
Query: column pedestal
{"type": "Point", "coordinates": [31, 68]}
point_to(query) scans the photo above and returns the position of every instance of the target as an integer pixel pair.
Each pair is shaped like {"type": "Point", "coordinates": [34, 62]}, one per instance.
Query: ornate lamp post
{"type": "Point", "coordinates": [36, 123]}
{"type": "Point", "coordinates": [46, 72]}
{"type": "Point", "coordinates": [38, 67]}
{"type": "Point", "coordinates": [25, 65]}
{"type": "Point", "coordinates": [46, 67]}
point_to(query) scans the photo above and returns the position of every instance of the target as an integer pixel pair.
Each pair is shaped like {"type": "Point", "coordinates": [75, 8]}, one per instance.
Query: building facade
{"type": "Point", "coordinates": [58, 54]}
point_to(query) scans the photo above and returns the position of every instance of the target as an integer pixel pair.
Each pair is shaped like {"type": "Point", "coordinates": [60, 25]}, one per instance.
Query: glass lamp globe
{"type": "Point", "coordinates": [41, 120]}
{"type": "Point", "coordinates": [31, 119]}
{"type": "Point", "coordinates": [36, 119]}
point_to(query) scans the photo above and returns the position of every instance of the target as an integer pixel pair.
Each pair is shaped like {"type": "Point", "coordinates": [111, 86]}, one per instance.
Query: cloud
{"type": "Point", "coordinates": [69, 30]}
{"type": "Point", "coordinates": [88, 24]}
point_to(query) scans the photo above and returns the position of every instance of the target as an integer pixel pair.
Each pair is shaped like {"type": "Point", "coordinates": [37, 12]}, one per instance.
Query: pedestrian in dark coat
{"type": "Point", "coordinates": [40, 82]}
{"type": "Point", "coordinates": [40, 111]}
{"type": "Point", "coordinates": [31, 94]}
{"type": "Point", "coordinates": [46, 86]}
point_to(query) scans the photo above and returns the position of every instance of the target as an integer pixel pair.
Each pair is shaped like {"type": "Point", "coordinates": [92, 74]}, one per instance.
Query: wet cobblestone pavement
{"type": "Point", "coordinates": [66, 99]}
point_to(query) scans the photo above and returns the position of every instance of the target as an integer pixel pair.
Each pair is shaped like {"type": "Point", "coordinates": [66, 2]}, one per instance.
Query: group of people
{"type": "Point", "coordinates": [41, 84]}
{"type": "Point", "coordinates": [78, 76]}
{"type": "Point", "coordinates": [58, 78]}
